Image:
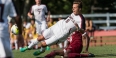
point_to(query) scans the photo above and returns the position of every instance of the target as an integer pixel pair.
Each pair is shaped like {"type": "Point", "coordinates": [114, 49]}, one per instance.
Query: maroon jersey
{"type": "Point", "coordinates": [75, 42]}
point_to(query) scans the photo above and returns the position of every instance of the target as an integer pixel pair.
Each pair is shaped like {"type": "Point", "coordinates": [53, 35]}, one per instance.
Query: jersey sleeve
{"type": "Point", "coordinates": [82, 22]}
{"type": "Point", "coordinates": [12, 10]}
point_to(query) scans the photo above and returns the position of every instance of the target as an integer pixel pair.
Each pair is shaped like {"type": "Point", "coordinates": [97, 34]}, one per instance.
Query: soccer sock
{"type": "Point", "coordinates": [33, 42]}
{"type": "Point", "coordinates": [74, 55]}
{"type": "Point", "coordinates": [16, 45]}
{"type": "Point", "coordinates": [65, 43]}
{"type": "Point", "coordinates": [36, 46]}
{"type": "Point", "coordinates": [42, 49]}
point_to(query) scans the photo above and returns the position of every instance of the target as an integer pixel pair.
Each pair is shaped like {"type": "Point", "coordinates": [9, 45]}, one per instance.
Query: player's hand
{"type": "Point", "coordinates": [31, 16]}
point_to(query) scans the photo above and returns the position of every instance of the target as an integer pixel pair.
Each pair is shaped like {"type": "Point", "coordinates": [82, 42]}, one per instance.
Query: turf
{"type": "Point", "coordinates": [108, 51]}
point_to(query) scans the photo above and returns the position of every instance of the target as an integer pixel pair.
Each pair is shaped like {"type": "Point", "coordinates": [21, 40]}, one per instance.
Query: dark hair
{"type": "Point", "coordinates": [79, 2]}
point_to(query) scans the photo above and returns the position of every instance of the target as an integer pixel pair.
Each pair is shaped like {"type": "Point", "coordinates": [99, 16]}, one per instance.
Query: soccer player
{"type": "Point", "coordinates": [38, 12]}
{"type": "Point", "coordinates": [61, 30]}
{"type": "Point", "coordinates": [7, 9]}
{"type": "Point", "coordinates": [74, 48]}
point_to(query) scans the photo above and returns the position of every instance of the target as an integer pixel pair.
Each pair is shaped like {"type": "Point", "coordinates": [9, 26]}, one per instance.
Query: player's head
{"type": "Point", "coordinates": [77, 6]}
{"type": "Point", "coordinates": [38, 1]}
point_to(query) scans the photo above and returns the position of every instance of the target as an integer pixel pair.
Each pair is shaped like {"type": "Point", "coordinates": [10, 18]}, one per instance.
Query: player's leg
{"type": "Point", "coordinates": [75, 55]}
{"type": "Point", "coordinates": [45, 43]}
{"type": "Point", "coordinates": [5, 49]}
{"type": "Point", "coordinates": [46, 34]}
{"type": "Point", "coordinates": [16, 45]}
{"type": "Point", "coordinates": [54, 53]}
{"type": "Point", "coordinates": [43, 27]}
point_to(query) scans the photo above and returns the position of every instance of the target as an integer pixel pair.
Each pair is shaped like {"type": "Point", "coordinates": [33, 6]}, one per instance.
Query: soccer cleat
{"type": "Point", "coordinates": [48, 48]}
{"type": "Point", "coordinates": [36, 53]}
{"type": "Point", "coordinates": [91, 55]}
{"type": "Point", "coordinates": [23, 49]}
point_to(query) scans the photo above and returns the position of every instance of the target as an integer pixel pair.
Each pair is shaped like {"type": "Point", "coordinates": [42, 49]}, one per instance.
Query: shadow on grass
{"type": "Point", "coordinates": [105, 55]}
{"type": "Point", "coordinates": [40, 57]}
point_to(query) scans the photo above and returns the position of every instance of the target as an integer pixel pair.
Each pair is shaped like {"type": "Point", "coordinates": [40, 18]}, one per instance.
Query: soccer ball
{"type": "Point", "coordinates": [14, 29]}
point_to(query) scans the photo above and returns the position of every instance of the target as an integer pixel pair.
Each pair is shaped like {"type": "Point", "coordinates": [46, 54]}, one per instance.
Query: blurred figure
{"type": "Point", "coordinates": [13, 38]}
{"type": "Point", "coordinates": [26, 30]}
{"type": "Point", "coordinates": [90, 28]}
{"type": "Point", "coordinates": [7, 9]}
{"type": "Point", "coordinates": [38, 12]}
{"type": "Point", "coordinates": [50, 22]}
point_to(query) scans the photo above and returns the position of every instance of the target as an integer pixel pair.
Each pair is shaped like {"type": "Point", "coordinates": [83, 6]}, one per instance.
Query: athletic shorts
{"type": "Point", "coordinates": [55, 34]}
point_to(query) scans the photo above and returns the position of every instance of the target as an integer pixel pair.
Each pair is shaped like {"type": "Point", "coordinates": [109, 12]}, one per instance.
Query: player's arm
{"type": "Point", "coordinates": [87, 43]}
{"type": "Point", "coordinates": [48, 16]}
{"type": "Point", "coordinates": [30, 13]}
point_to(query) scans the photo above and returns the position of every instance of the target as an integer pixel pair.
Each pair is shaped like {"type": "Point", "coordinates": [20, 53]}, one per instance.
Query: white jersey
{"type": "Point", "coordinates": [63, 28]}
{"type": "Point", "coordinates": [39, 12]}
{"type": "Point", "coordinates": [68, 24]}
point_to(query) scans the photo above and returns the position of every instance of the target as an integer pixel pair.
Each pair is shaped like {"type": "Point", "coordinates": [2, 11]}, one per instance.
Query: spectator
{"type": "Point", "coordinates": [90, 28]}
{"type": "Point", "coordinates": [26, 28]}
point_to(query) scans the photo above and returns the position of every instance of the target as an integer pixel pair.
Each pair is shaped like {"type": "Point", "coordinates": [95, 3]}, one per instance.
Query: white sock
{"type": "Point", "coordinates": [65, 43]}
{"type": "Point", "coordinates": [42, 49]}
{"type": "Point", "coordinates": [16, 45]}
{"type": "Point", "coordinates": [33, 42]}
{"type": "Point", "coordinates": [36, 46]}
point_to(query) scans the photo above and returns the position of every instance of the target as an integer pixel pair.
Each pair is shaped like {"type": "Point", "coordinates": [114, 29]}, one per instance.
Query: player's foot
{"type": "Point", "coordinates": [48, 48]}
{"type": "Point", "coordinates": [38, 52]}
{"type": "Point", "coordinates": [23, 49]}
{"type": "Point", "coordinates": [91, 55]}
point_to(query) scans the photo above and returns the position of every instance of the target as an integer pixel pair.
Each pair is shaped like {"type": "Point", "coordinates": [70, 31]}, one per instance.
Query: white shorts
{"type": "Point", "coordinates": [5, 49]}
{"type": "Point", "coordinates": [40, 26]}
{"type": "Point", "coordinates": [55, 34]}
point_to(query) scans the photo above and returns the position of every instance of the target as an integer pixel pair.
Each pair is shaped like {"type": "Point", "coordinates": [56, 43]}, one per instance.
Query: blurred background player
{"type": "Point", "coordinates": [7, 9]}
{"type": "Point", "coordinates": [38, 12]}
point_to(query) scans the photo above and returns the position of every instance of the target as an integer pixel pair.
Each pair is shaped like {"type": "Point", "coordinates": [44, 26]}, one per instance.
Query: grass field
{"type": "Point", "coordinates": [106, 51]}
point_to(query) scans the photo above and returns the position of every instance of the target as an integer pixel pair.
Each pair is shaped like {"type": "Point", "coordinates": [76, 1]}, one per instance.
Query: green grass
{"type": "Point", "coordinates": [99, 51]}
